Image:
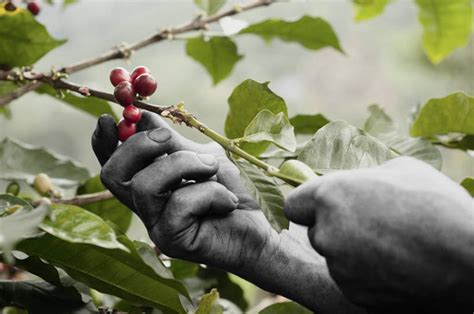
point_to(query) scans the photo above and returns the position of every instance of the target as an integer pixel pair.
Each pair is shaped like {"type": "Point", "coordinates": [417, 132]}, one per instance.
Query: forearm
{"type": "Point", "coordinates": [288, 268]}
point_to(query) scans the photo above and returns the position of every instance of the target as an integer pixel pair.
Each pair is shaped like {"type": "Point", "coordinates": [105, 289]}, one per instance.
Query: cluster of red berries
{"type": "Point", "coordinates": [127, 86]}
{"type": "Point", "coordinates": [32, 5]}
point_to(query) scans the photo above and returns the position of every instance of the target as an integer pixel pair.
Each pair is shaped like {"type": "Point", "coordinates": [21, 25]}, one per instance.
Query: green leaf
{"type": "Point", "coordinates": [367, 9]}
{"type": "Point", "coordinates": [310, 32]}
{"type": "Point", "coordinates": [265, 192]}
{"type": "Point", "coordinates": [268, 127]}
{"type": "Point", "coordinates": [284, 308]}
{"type": "Point", "coordinates": [210, 6]}
{"type": "Point", "coordinates": [446, 26]}
{"type": "Point", "coordinates": [24, 40]}
{"type": "Point", "coordinates": [245, 102]}
{"type": "Point", "coordinates": [308, 124]}
{"type": "Point", "coordinates": [217, 54]}
{"type": "Point", "coordinates": [382, 127]}
{"type": "Point", "coordinates": [91, 105]}
{"type": "Point", "coordinates": [183, 269]}
{"type": "Point", "coordinates": [209, 304]}
{"type": "Point", "coordinates": [339, 145]}
{"type": "Point", "coordinates": [77, 225]}
{"type": "Point", "coordinates": [297, 170]}
{"type": "Point", "coordinates": [111, 271]}
{"type": "Point", "coordinates": [42, 297]}
{"type": "Point", "coordinates": [22, 162]}
{"type": "Point", "coordinates": [18, 220]}
{"type": "Point", "coordinates": [468, 184]}
{"type": "Point", "coordinates": [453, 113]}
{"type": "Point", "coordinates": [110, 210]}
{"type": "Point", "coordinates": [6, 88]}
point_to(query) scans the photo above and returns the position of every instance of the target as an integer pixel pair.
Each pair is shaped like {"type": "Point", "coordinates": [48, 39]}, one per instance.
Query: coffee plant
{"type": "Point", "coordinates": [60, 224]}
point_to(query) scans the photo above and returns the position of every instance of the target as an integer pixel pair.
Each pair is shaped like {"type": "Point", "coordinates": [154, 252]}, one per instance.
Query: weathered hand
{"type": "Point", "coordinates": [398, 234]}
{"type": "Point", "coordinates": [195, 207]}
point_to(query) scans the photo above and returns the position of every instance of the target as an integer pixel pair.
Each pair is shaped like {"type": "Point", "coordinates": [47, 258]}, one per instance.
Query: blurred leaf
{"type": "Point", "coordinates": [24, 40]}
{"type": "Point", "coordinates": [453, 113]}
{"type": "Point", "coordinates": [209, 303]}
{"type": "Point", "coordinates": [339, 145]}
{"type": "Point", "coordinates": [42, 297]}
{"type": "Point", "coordinates": [110, 210]}
{"type": "Point", "coordinates": [265, 192]}
{"type": "Point", "coordinates": [268, 127]}
{"type": "Point", "coordinates": [19, 161]}
{"type": "Point", "coordinates": [367, 9]}
{"type": "Point", "coordinates": [150, 257]}
{"type": "Point", "coordinates": [77, 225]}
{"type": "Point", "coordinates": [382, 127]}
{"type": "Point", "coordinates": [217, 54]}
{"type": "Point", "coordinates": [446, 26]}
{"type": "Point", "coordinates": [308, 124]}
{"type": "Point", "coordinates": [465, 143]}
{"type": "Point", "coordinates": [6, 88]}
{"type": "Point", "coordinates": [210, 6]}
{"type": "Point", "coordinates": [227, 288]}
{"type": "Point", "coordinates": [112, 271]}
{"type": "Point", "coordinates": [18, 220]}
{"type": "Point", "coordinates": [183, 269]}
{"type": "Point", "coordinates": [297, 170]}
{"type": "Point", "coordinates": [312, 33]}
{"type": "Point", "coordinates": [285, 308]}
{"type": "Point", "coordinates": [245, 102]}
{"type": "Point", "coordinates": [93, 106]}
{"type": "Point", "coordinates": [468, 184]}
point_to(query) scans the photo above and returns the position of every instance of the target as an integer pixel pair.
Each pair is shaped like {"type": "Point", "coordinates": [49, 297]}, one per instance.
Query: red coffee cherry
{"type": "Point", "coordinates": [126, 129]}
{"type": "Point", "coordinates": [119, 75]}
{"type": "Point", "coordinates": [124, 93]}
{"type": "Point", "coordinates": [145, 85]}
{"type": "Point", "coordinates": [132, 114]}
{"type": "Point", "coordinates": [34, 7]}
{"type": "Point", "coordinates": [138, 71]}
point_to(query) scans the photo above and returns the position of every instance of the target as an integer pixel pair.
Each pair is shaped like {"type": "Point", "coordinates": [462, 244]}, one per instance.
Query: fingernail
{"type": "Point", "coordinates": [234, 198]}
{"type": "Point", "coordinates": [159, 135]}
{"type": "Point", "coordinates": [208, 160]}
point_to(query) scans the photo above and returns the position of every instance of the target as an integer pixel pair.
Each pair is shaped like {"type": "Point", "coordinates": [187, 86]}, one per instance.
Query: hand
{"type": "Point", "coordinates": [195, 207]}
{"type": "Point", "coordinates": [398, 234]}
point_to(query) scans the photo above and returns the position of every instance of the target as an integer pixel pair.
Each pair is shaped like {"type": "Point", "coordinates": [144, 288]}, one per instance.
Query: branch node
{"type": "Point", "coordinates": [84, 91]}
{"type": "Point", "coordinates": [124, 50]}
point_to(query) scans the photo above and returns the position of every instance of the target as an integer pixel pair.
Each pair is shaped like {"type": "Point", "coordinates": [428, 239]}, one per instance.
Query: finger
{"type": "Point", "coordinates": [190, 202]}
{"type": "Point", "coordinates": [300, 206]}
{"type": "Point", "coordinates": [150, 186]}
{"type": "Point", "coordinates": [104, 138]}
{"type": "Point", "coordinates": [150, 121]}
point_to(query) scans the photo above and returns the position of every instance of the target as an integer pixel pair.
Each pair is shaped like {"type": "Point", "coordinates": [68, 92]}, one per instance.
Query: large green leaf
{"type": "Point", "coordinates": [381, 126]}
{"type": "Point", "coordinates": [268, 127]}
{"type": "Point", "coordinates": [367, 9]}
{"type": "Point", "coordinates": [245, 102]}
{"type": "Point", "coordinates": [110, 210]}
{"type": "Point", "coordinates": [310, 32]}
{"type": "Point", "coordinates": [468, 184]}
{"type": "Point", "coordinates": [22, 162]}
{"type": "Point", "coordinates": [112, 271]}
{"type": "Point", "coordinates": [453, 113]}
{"type": "Point", "coordinates": [210, 6]}
{"type": "Point", "coordinates": [265, 192]}
{"type": "Point", "coordinates": [18, 220]}
{"type": "Point", "coordinates": [77, 225]}
{"type": "Point", "coordinates": [339, 145]}
{"type": "Point", "coordinates": [42, 297]}
{"type": "Point", "coordinates": [308, 124]}
{"type": "Point", "coordinates": [446, 26]}
{"type": "Point", "coordinates": [284, 308]}
{"type": "Point", "coordinates": [217, 54]}
{"type": "Point", "coordinates": [93, 106]}
{"type": "Point", "coordinates": [24, 40]}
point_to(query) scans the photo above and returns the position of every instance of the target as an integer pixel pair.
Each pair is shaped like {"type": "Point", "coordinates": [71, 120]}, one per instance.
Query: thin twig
{"type": "Point", "coordinates": [80, 200]}
{"type": "Point", "coordinates": [125, 51]}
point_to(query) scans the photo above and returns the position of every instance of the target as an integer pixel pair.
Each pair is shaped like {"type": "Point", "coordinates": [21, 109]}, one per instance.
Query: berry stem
{"type": "Point", "coordinates": [124, 52]}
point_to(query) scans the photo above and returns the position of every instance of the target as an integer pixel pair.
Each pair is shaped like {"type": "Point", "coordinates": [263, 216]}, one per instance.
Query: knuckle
{"type": "Point", "coordinates": [182, 157]}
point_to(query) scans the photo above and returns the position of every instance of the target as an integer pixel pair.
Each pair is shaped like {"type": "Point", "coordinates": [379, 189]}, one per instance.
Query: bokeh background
{"type": "Point", "coordinates": [383, 63]}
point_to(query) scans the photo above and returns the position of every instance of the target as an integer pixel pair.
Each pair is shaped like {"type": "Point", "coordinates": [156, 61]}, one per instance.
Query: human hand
{"type": "Point", "coordinates": [401, 233]}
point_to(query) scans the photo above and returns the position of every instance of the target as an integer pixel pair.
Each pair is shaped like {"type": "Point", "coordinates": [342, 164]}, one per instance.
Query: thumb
{"type": "Point", "coordinates": [300, 205]}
